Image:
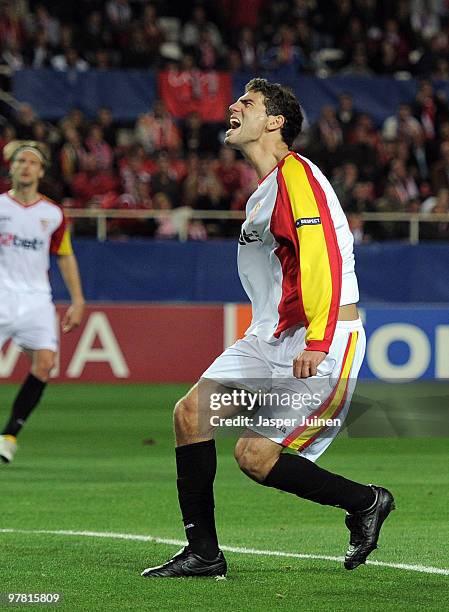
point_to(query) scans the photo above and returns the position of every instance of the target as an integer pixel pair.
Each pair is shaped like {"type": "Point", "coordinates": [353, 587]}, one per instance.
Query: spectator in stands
{"type": "Point", "coordinates": [12, 56]}
{"type": "Point", "coordinates": [420, 154]}
{"type": "Point", "coordinates": [425, 19]}
{"type": "Point", "coordinates": [346, 178]}
{"type": "Point", "coordinates": [140, 199]}
{"type": "Point", "coordinates": [346, 114]}
{"type": "Point", "coordinates": [441, 70]}
{"type": "Point", "coordinates": [326, 140]}
{"type": "Point", "coordinates": [91, 183]}
{"type": "Point", "coordinates": [77, 119]}
{"type": "Point", "coordinates": [42, 20]}
{"type": "Point", "coordinates": [284, 53]}
{"type": "Point", "coordinates": [357, 227]}
{"type": "Point", "coordinates": [157, 131]}
{"type": "Point", "coordinates": [105, 121]}
{"type": "Point", "coordinates": [72, 154]}
{"type": "Point", "coordinates": [95, 35]}
{"type": "Point", "coordinates": [208, 56]}
{"type": "Point", "coordinates": [440, 169]}
{"type": "Point", "coordinates": [358, 66]}
{"type": "Point", "coordinates": [197, 24]}
{"type": "Point", "coordinates": [402, 124]}
{"type": "Point", "coordinates": [363, 198]}
{"type": "Point", "coordinates": [164, 180]}
{"type": "Point", "coordinates": [135, 167]}
{"type": "Point", "coordinates": [438, 230]}
{"type": "Point", "coordinates": [70, 59]}
{"type": "Point", "coordinates": [429, 108]}
{"type": "Point", "coordinates": [402, 182]}
{"type": "Point", "coordinates": [247, 47]}
{"type": "Point", "coordinates": [363, 146]}
{"type": "Point", "coordinates": [137, 52]}
{"type": "Point", "coordinates": [435, 49]}
{"type": "Point", "coordinates": [439, 200]}
{"type": "Point", "coordinates": [99, 148]}
{"type": "Point", "coordinates": [198, 137]}
{"type": "Point", "coordinates": [229, 174]}
{"type": "Point", "coordinates": [390, 201]}
{"type": "Point", "coordinates": [24, 121]}
{"type": "Point", "coordinates": [189, 185]}
{"type": "Point", "coordinates": [152, 29]}
{"type": "Point", "coordinates": [38, 54]}
{"type": "Point", "coordinates": [119, 13]}
{"type": "Point", "coordinates": [101, 60]}
{"type": "Point", "coordinates": [164, 227]}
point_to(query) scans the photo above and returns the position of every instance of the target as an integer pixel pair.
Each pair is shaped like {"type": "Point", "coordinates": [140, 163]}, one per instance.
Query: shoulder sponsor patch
{"type": "Point", "coordinates": [308, 221]}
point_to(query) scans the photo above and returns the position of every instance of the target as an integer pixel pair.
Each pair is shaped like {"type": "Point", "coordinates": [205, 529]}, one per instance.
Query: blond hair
{"type": "Point", "coordinates": [15, 146]}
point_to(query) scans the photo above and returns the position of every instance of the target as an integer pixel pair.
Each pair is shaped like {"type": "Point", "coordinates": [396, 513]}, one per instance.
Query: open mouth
{"type": "Point", "coordinates": [235, 124]}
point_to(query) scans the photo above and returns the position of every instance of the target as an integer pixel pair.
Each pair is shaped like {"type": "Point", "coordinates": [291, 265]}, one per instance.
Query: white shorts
{"type": "Point", "coordinates": [29, 320]}
{"type": "Point", "coordinates": [302, 414]}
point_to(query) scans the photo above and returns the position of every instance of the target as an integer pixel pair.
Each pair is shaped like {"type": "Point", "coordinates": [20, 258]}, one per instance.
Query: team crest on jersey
{"type": "Point", "coordinates": [249, 237]}
{"type": "Point", "coordinates": [45, 223]}
{"type": "Point", "coordinates": [255, 210]}
{"type": "Point", "coordinates": [308, 221]}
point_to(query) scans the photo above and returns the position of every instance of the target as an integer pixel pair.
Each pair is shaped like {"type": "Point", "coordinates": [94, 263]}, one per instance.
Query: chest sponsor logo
{"type": "Point", "coordinates": [45, 223]}
{"type": "Point", "coordinates": [12, 240]}
{"type": "Point", "coordinates": [3, 218]}
{"type": "Point", "coordinates": [308, 221]}
{"type": "Point", "coordinates": [249, 237]}
{"type": "Point", "coordinates": [255, 210]}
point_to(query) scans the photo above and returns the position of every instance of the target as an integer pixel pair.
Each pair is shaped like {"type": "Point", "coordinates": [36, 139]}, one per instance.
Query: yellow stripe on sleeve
{"type": "Point", "coordinates": [316, 279]}
{"type": "Point", "coordinates": [65, 248]}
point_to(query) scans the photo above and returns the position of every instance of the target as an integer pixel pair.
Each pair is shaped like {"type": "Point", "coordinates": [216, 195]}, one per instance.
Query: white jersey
{"type": "Point", "coordinates": [295, 256]}
{"type": "Point", "coordinates": [28, 234]}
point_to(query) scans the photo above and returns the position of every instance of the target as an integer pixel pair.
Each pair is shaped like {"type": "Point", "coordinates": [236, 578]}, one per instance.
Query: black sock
{"type": "Point", "coordinates": [197, 465]}
{"type": "Point", "coordinates": [302, 477]}
{"type": "Point", "coordinates": [27, 399]}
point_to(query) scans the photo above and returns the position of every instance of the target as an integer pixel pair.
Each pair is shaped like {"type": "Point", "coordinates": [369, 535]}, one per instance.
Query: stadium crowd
{"type": "Point", "coordinates": [161, 164]}
{"type": "Point", "coordinates": [349, 36]}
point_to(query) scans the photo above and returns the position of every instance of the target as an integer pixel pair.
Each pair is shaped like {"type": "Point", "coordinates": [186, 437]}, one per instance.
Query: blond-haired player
{"type": "Point", "coordinates": [31, 228]}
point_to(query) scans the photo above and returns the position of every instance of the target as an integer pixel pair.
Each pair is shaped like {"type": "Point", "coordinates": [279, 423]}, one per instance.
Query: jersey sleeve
{"type": "Point", "coordinates": [320, 262]}
{"type": "Point", "coordinates": [60, 243]}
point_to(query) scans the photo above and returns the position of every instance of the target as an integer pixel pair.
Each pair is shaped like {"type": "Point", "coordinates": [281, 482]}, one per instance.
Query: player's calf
{"type": "Point", "coordinates": [256, 455]}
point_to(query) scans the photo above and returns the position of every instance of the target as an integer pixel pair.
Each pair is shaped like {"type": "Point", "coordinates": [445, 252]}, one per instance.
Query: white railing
{"type": "Point", "coordinates": [182, 216]}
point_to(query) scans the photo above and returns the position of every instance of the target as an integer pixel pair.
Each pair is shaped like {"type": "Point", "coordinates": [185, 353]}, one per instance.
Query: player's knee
{"type": "Point", "coordinates": [43, 367]}
{"type": "Point", "coordinates": [185, 413]}
{"type": "Point", "coordinates": [252, 459]}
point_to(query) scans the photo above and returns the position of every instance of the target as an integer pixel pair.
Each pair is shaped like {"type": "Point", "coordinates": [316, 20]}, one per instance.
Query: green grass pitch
{"type": "Point", "coordinates": [83, 466]}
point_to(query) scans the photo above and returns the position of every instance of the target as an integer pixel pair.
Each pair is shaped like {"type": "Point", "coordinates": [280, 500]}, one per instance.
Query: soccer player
{"type": "Point", "coordinates": [306, 340]}
{"type": "Point", "coordinates": [32, 227]}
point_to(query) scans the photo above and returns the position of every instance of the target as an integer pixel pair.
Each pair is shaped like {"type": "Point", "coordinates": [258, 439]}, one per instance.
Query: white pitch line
{"type": "Point", "coordinates": [234, 549]}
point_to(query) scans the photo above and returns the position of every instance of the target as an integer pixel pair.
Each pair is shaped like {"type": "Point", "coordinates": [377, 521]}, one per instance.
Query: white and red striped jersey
{"type": "Point", "coordinates": [295, 256]}
{"type": "Point", "coordinates": [28, 234]}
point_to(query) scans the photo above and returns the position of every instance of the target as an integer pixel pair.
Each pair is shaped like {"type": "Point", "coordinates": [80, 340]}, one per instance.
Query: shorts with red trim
{"type": "Point", "coordinates": [302, 414]}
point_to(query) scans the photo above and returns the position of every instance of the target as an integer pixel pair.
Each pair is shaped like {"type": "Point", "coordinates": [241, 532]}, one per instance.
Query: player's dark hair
{"type": "Point", "coordinates": [280, 100]}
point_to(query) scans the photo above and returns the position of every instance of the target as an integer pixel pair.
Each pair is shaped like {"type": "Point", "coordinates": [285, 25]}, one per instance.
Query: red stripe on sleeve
{"type": "Point", "coordinates": [335, 260]}
{"type": "Point", "coordinates": [282, 226]}
{"type": "Point", "coordinates": [57, 236]}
